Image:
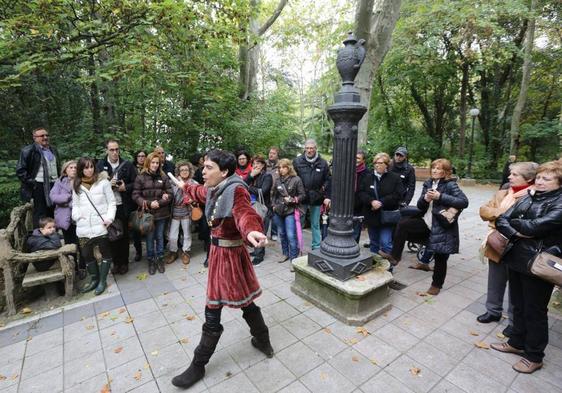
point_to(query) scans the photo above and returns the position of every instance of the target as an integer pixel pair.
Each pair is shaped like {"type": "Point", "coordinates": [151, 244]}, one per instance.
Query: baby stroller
{"type": "Point", "coordinates": [419, 248]}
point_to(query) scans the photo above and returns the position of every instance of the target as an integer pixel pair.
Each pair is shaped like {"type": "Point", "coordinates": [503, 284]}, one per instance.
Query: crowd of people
{"type": "Point", "coordinates": [242, 198]}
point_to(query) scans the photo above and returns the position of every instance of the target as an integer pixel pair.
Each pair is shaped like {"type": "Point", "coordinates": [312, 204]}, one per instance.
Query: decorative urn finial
{"type": "Point", "coordinates": [350, 58]}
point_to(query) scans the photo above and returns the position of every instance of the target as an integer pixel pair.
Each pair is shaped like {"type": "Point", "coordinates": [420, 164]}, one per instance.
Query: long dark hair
{"type": "Point", "coordinates": [83, 163]}
{"type": "Point", "coordinates": [137, 153]}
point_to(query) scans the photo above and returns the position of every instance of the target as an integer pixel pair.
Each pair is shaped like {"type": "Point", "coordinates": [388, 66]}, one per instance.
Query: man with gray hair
{"type": "Point", "coordinates": [38, 169]}
{"type": "Point", "coordinates": [313, 171]}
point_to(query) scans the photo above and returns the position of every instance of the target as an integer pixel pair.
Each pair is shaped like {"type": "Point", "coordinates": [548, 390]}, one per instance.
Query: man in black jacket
{"type": "Point", "coordinates": [407, 173]}
{"type": "Point", "coordinates": [122, 174]}
{"type": "Point", "coordinates": [313, 171]}
{"type": "Point", "coordinates": [38, 169]}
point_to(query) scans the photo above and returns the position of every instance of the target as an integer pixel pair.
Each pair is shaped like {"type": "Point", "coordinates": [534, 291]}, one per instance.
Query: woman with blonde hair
{"type": "Point", "coordinates": [286, 194]}
{"type": "Point", "coordinates": [521, 180]}
{"type": "Point", "coordinates": [380, 191]}
{"type": "Point", "coordinates": [153, 191]}
{"type": "Point", "coordinates": [440, 204]}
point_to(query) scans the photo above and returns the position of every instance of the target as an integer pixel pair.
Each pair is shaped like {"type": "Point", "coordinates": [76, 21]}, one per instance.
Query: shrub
{"type": "Point", "coordinates": [9, 198]}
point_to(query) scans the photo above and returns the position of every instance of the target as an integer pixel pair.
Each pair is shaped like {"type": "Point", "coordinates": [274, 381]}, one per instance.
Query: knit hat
{"type": "Point", "coordinates": [402, 151]}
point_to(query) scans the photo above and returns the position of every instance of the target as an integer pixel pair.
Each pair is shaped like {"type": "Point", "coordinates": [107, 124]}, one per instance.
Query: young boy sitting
{"type": "Point", "coordinates": [44, 238]}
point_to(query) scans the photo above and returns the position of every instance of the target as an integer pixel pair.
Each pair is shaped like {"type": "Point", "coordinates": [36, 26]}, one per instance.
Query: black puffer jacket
{"type": "Point", "coordinates": [407, 174]}
{"type": "Point", "coordinates": [389, 189]}
{"type": "Point", "coordinates": [444, 239]}
{"type": "Point", "coordinates": [37, 241]}
{"type": "Point", "coordinates": [538, 216]}
{"type": "Point", "coordinates": [314, 176]}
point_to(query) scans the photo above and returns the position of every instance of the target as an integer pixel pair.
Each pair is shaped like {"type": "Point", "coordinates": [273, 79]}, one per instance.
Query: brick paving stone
{"type": "Point", "coordinates": [80, 370]}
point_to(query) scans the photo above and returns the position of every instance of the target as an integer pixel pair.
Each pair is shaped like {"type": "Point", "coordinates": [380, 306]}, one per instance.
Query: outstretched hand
{"type": "Point", "coordinates": [257, 239]}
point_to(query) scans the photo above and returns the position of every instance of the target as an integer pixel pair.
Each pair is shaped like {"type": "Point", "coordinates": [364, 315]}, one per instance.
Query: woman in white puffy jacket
{"type": "Point", "coordinates": [93, 189]}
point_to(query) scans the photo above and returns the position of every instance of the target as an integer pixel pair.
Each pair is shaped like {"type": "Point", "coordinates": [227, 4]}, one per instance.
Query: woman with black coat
{"type": "Point", "coordinates": [440, 204]}
{"type": "Point", "coordinates": [378, 191]}
{"type": "Point", "coordinates": [532, 225]}
{"type": "Point", "coordinates": [260, 182]}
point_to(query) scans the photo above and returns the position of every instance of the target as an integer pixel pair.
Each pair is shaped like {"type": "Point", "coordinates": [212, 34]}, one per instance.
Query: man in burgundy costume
{"type": "Point", "coordinates": [231, 280]}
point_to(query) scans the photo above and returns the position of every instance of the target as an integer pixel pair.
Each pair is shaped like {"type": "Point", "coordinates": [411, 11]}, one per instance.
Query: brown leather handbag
{"type": "Point", "coordinates": [196, 212]}
{"type": "Point", "coordinates": [547, 267]}
{"type": "Point", "coordinates": [495, 246]}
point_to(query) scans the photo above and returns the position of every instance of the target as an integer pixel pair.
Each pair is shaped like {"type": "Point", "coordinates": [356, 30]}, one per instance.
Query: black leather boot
{"type": "Point", "coordinates": [201, 356]}
{"type": "Point", "coordinates": [160, 265]}
{"type": "Point", "coordinates": [104, 271]}
{"type": "Point", "coordinates": [258, 330]}
{"type": "Point", "coordinates": [93, 271]}
{"type": "Point", "coordinates": [151, 266]}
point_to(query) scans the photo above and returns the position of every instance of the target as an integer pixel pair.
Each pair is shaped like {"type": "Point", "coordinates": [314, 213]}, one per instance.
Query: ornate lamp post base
{"type": "Point", "coordinates": [342, 269]}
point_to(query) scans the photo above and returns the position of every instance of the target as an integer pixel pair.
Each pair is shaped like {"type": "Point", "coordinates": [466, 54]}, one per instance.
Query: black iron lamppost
{"type": "Point", "coordinates": [339, 255]}
{"type": "Point", "coordinates": [474, 112]}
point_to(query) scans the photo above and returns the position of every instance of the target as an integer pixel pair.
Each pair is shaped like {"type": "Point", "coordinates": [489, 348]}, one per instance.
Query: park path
{"type": "Point", "coordinates": [143, 332]}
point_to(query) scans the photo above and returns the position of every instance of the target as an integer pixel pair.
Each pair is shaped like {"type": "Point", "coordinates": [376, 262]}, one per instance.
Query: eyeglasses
{"type": "Point", "coordinates": [116, 149]}
{"type": "Point", "coordinates": [398, 155]}
{"type": "Point", "coordinates": [42, 136]}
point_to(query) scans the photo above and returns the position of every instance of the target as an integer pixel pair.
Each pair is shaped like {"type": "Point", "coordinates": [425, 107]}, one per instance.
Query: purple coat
{"type": "Point", "coordinates": [61, 195]}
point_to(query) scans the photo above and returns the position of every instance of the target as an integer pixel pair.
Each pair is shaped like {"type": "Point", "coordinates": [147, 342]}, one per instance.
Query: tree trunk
{"type": "Point", "coordinates": [249, 50]}
{"type": "Point", "coordinates": [463, 107]}
{"type": "Point", "coordinates": [375, 22]}
{"type": "Point", "coordinates": [94, 96]}
{"type": "Point", "coordinates": [526, 71]}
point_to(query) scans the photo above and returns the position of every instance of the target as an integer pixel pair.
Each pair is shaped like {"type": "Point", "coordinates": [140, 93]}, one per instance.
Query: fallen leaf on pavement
{"type": "Point", "coordinates": [138, 375]}
{"type": "Point", "coordinates": [362, 330]}
{"type": "Point", "coordinates": [142, 276]}
{"type": "Point", "coordinates": [190, 317]}
{"type": "Point", "coordinates": [129, 320]}
{"type": "Point", "coordinates": [90, 327]}
{"type": "Point", "coordinates": [113, 317]}
{"type": "Point", "coordinates": [105, 389]}
{"type": "Point", "coordinates": [374, 361]}
{"type": "Point", "coordinates": [422, 294]}
{"type": "Point", "coordinates": [14, 377]}
{"type": "Point", "coordinates": [473, 333]}
{"type": "Point", "coordinates": [415, 371]}
{"type": "Point", "coordinates": [323, 375]}
{"type": "Point", "coordinates": [500, 335]}
{"type": "Point", "coordinates": [228, 374]}
{"type": "Point", "coordinates": [26, 310]}
{"type": "Point", "coordinates": [118, 350]}
{"type": "Point", "coordinates": [154, 353]}
{"type": "Point", "coordinates": [351, 341]}
{"type": "Point", "coordinates": [184, 340]}
{"type": "Point", "coordinates": [360, 278]}
{"type": "Point", "coordinates": [481, 344]}
{"type": "Point", "coordinates": [105, 314]}
{"type": "Point", "coordinates": [146, 366]}
{"type": "Point", "coordinates": [2, 378]}
{"type": "Point", "coordinates": [122, 310]}
{"type": "Point", "coordinates": [354, 358]}
{"type": "Point", "coordinates": [327, 330]}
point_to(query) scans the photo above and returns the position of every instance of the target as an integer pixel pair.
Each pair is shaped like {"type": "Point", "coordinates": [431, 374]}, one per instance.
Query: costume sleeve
{"type": "Point", "coordinates": [194, 193]}
{"type": "Point", "coordinates": [245, 217]}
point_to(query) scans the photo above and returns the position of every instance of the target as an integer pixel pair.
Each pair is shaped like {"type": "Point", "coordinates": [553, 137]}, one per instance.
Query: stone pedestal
{"type": "Point", "coordinates": [467, 181]}
{"type": "Point", "coordinates": [355, 301]}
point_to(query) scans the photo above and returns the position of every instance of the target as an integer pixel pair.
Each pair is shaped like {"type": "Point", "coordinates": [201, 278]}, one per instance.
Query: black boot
{"type": "Point", "coordinates": [104, 271]}
{"type": "Point", "coordinates": [93, 271]}
{"type": "Point", "coordinates": [258, 330]}
{"type": "Point", "coordinates": [201, 356]}
{"type": "Point", "coordinates": [160, 265]}
{"type": "Point", "coordinates": [151, 266]}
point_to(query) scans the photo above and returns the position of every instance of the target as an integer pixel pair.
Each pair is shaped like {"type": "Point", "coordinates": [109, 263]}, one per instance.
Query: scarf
{"type": "Point", "coordinates": [311, 160]}
{"type": "Point", "coordinates": [513, 194]}
{"type": "Point", "coordinates": [87, 182]}
{"type": "Point", "coordinates": [243, 172]}
{"type": "Point", "coordinates": [358, 169]}
{"type": "Point", "coordinates": [220, 198]}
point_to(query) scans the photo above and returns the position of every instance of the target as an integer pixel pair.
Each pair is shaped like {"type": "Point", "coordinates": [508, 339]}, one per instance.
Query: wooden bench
{"type": "Point", "coordinates": [14, 260]}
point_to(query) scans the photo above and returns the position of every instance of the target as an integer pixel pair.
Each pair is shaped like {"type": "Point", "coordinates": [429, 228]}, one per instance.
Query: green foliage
{"type": "Point", "coordinates": [9, 198]}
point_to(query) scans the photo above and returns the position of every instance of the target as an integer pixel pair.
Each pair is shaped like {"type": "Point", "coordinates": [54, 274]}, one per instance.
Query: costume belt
{"type": "Point", "coordinates": [226, 242]}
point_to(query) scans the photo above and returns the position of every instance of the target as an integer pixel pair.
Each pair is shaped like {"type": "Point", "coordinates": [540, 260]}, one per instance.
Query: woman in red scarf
{"type": "Point", "coordinates": [521, 180]}
{"type": "Point", "coordinates": [244, 165]}
{"type": "Point", "coordinates": [231, 280]}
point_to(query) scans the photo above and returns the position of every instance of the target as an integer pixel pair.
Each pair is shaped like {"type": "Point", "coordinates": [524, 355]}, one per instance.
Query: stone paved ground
{"type": "Point", "coordinates": [145, 331]}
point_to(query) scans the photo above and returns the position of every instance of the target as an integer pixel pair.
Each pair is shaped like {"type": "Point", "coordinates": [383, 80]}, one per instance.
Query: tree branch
{"type": "Point", "coordinates": [273, 17]}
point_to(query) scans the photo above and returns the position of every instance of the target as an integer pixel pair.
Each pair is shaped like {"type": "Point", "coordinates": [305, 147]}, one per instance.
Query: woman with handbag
{"type": "Point", "coordinates": [380, 193]}
{"type": "Point", "coordinates": [286, 193]}
{"type": "Point", "coordinates": [140, 157]}
{"type": "Point", "coordinates": [153, 190]}
{"type": "Point", "coordinates": [93, 211]}
{"type": "Point", "coordinates": [533, 225]}
{"type": "Point", "coordinates": [521, 181]}
{"type": "Point", "coordinates": [181, 216]}
{"type": "Point", "coordinates": [440, 204]}
{"type": "Point", "coordinates": [259, 186]}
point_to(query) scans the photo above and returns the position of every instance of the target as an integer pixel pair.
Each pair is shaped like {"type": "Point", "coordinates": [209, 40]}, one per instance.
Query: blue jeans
{"type": "Point", "coordinates": [287, 232]}
{"type": "Point", "coordinates": [157, 235]}
{"type": "Point", "coordinates": [380, 238]}
{"type": "Point", "coordinates": [314, 224]}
